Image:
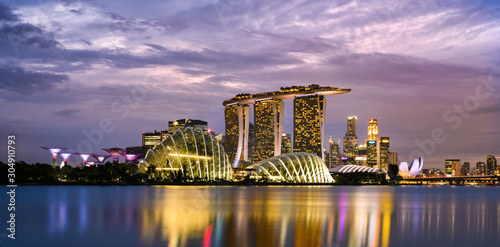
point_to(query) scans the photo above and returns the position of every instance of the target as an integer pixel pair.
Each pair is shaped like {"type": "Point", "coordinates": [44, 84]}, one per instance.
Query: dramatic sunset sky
{"type": "Point", "coordinates": [422, 68]}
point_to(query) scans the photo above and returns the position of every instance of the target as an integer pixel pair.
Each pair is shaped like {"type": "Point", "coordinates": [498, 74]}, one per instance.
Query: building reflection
{"type": "Point", "coordinates": [279, 216]}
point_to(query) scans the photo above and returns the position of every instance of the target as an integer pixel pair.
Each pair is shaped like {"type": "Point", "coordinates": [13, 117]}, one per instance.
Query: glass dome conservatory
{"type": "Point", "coordinates": [294, 168]}
{"type": "Point", "coordinates": [190, 155]}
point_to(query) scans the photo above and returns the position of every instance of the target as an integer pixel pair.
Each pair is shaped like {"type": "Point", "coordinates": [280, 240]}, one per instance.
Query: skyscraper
{"type": "Point", "coordinates": [334, 153]}
{"type": "Point", "coordinates": [394, 159]}
{"type": "Point", "coordinates": [286, 143]}
{"type": "Point", "coordinates": [371, 153]}
{"type": "Point", "coordinates": [452, 167]}
{"type": "Point", "coordinates": [465, 169]}
{"type": "Point", "coordinates": [237, 121]}
{"type": "Point", "coordinates": [491, 165]}
{"type": "Point", "coordinates": [267, 129]}
{"type": "Point", "coordinates": [372, 130]}
{"type": "Point", "coordinates": [308, 124]}
{"type": "Point", "coordinates": [384, 153]}
{"type": "Point", "coordinates": [481, 168]}
{"type": "Point", "coordinates": [350, 138]}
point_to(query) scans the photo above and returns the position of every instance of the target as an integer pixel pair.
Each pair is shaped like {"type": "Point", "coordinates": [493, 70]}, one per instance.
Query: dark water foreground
{"type": "Point", "coordinates": [254, 216]}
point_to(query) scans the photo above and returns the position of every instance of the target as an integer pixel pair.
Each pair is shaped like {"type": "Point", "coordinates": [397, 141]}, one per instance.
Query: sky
{"type": "Point", "coordinates": [96, 74]}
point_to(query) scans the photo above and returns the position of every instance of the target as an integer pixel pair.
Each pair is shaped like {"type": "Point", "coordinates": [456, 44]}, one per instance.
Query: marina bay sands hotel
{"type": "Point", "coordinates": [309, 109]}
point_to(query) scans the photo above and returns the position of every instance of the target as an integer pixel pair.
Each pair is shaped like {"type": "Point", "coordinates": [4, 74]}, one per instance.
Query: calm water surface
{"type": "Point", "coordinates": [255, 216]}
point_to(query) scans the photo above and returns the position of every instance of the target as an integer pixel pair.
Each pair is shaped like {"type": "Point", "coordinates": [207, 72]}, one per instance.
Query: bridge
{"type": "Point", "coordinates": [457, 180]}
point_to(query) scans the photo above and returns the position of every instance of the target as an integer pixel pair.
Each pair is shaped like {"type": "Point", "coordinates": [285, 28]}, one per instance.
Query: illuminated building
{"type": "Point", "coordinates": [101, 158]}
{"type": "Point", "coordinates": [85, 157]}
{"type": "Point", "coordinates": [267, 129]}
{"type": "Point", "coordinates": [353, 168]}
{"type": "Point", "coordinates": [54, 152]}
{"type": "Point", "coordinates": [115, 153]}
{"type": "Point", "coordinates": [308, 124]}
{"type": "Point", "coordinates": [452, 167]}
{"type": "Point", "coordinates": [372, 130]}
{"type": "Point", "coordinates": [237, 112]}
{"type": "Point", "coordinates": [465, 171]}
{"type": "Point", "coordinates": [384, 153]}
{"type": "Point", "coordinates": [334, 154]}
{"type": "Point", "coordinates": [414, 169]}
{"type": "Point", "coordinates": [149, 139]}
{"type": "Point", "coordinates": [481, 168]}
{"type": "Point", "coordinates": [491, 165]}
{"type": "Point", "coordinates": [183, 123]}
{"type": "Point", "coordinates": [65, 156]}
{"type": "Point", "coordinates": [371, 153]}
{"type": "Point", "coordinates": [237, 118]}
{"type": "Point", "coordinates": [296, 167]}
{"type": "Point", "coordinates": [188, 155]}
{"type": "Point", "coordinates": [393, 159]}
{"type": "Point", "coordinates": [361, 157]}
{"type": "Point", "coordinates": [286, 143]}
{"type": "Point", "coordinates": [351, 139]}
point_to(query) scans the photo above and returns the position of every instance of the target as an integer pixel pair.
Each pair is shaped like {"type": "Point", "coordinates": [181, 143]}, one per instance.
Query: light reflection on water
{"type": "Point", "coordinates": [257, 216]}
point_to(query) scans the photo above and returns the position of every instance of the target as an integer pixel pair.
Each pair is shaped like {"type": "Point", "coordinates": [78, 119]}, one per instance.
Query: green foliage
{"type": "Point", "coordinates": [46, 174]}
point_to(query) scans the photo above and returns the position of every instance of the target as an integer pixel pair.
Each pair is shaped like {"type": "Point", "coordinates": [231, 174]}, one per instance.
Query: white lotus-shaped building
{"type": "Point", "coordinates": [412, 170]}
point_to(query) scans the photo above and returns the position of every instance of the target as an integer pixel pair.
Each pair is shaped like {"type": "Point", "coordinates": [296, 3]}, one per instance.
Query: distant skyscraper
{"type": "Point", "coordinates": [361, 158]}
{"type": "Point", "coordinates": [384, 152]}
{"type": "Point", "coordinates": [286, 143]}
{"type": "Point", "coordinates": [491, 165]}
{"type": "Point", "coordinates": [394, 159]}
{"type": "Point", "coordinates": [481, 168]}
{"type": "Point", "coordinates": [452, 167]}
{"type": "Point", "coordinates": [352, 125]}
{"type": "Point", "coordinates": [371, 153]}
{"type": "Point", "coordinates": [237, 121]}
{"type": "Point", "coordinates": [350, 138]}
{"type": "Point", "coordinates": [465, 169]}
{"type": "Point", "coordinates": [372, 130]}
{"type": "Point", "coordinates": [308, 124]}
{"type": "Point", "coordinates": [267, 129]}
{"type": "Point", "coordinates": [334, 159]}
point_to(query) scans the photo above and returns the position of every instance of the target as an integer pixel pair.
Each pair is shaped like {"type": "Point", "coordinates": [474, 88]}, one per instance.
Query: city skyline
{"type": "Point", "coordinates": [424, 70]}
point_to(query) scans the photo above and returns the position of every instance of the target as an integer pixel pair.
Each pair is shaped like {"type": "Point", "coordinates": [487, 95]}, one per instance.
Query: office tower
{"type": "Point", "coordinates": [334, 154]}
{"type": "Point", "coordinates": [149, 139]}
{"type": "Point", "coordinates": [371, 153]}
{"type": "Point", "coordinates": [286, 143]}
{"type": "Point", "coordinates": [465, 169]}
{"type": "Point", "coordinates": [372, 130]}
{"type": "Point", "coordinates": [237, 132]}
{"type": "Point", "coordinates": [491, 165]}
{"type": "Point", "coordinates": [481, 168]}
{"type": "Point", "coordinates": [361, 158]}
{"type": "Point", "coordinates": [267, 128]}
{"type": "Point", "coordinates": [394, 159]}
{"type": "Point", "coordinates": [350, 148]}
{"type": "Point", "coordinates": [308, 124]}
{"type": "Point", "coordinates": [452, 167]}
{"type": "Point", "coordinates": [384, 153]}
{"type": "Point", "coordinates": [184, 123]}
